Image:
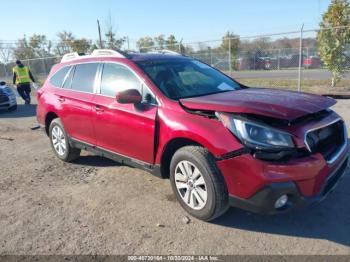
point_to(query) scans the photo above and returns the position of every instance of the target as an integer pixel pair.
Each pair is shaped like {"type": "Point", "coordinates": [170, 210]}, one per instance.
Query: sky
{"type": "Point", "coordinates": [190, 20]}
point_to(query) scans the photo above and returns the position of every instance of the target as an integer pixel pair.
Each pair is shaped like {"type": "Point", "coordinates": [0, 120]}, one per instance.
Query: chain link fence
{"type": "Point", "coordinates": [285, 60]}
{"type": "Point", "coordinates": [40, 67]}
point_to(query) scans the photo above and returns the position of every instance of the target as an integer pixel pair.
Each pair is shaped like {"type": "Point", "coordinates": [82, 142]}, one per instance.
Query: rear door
{"type": "Point", "coordinates": [75, 99]}
{"type": "Point", "coordinates": [126, 129]}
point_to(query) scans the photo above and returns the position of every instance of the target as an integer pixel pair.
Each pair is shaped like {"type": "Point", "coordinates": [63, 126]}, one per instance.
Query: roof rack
{"type": "Point", "coordinates": [164, 52]}
{"type": "Point", "coordinates": [95, 53]}
{"type": "Point", "coordinates": [69, 56]}
{"type": "Point", "coordinates": [107, 52]}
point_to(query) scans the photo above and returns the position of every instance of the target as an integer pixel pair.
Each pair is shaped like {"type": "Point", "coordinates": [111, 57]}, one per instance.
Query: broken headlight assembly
{"type": "Point", "coordinates": [256, 135]}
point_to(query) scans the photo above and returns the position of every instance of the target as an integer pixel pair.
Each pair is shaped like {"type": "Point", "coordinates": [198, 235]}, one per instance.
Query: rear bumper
{"type": "Point", "coordinates": [264, 200]}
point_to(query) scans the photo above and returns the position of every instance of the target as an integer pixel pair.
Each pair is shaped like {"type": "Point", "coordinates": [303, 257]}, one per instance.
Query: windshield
{"type": "Point", "coordinates": [187, 78]}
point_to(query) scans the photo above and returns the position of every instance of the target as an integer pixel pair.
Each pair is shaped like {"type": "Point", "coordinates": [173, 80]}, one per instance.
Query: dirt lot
{"type": "Point", "coordinates": [96, 206]}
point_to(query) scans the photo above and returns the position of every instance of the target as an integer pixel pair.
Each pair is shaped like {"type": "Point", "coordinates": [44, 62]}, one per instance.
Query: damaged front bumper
{"type": "Point", "coordinates": [264, 201]}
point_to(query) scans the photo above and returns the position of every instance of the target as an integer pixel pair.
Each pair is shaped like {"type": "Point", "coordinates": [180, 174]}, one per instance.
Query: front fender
{"type": "Point", "coordinates": [210, 133]}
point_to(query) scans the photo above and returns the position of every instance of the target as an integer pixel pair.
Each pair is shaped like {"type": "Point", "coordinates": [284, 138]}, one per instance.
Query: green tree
{"type": "Point", "coordinates": [23, 50]}
{"type": "Point", "coordinates": [112, 42]}
{"type": "Point", "coordinates": [332, 42]}
{"type": "Point", "coordinates": [41, 47]}
{"type": "Point", "coordinates": [160, 41]}
{"type": "Point", "coordinates": [172, 43]}
{"type": "Point", "coordinates": [68, 43]}
{"type": "Point", "coordinates": [81, 45]}
{"type": "Point", "coordinates": [64, 44]}
{"type": "Point", "coordinates": [231, 43]}
{"type": "Point", "coordinates": [145, 44]}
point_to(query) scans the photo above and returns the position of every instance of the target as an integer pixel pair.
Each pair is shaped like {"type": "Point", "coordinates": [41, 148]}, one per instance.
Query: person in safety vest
{"type": "Point", "coordinates": [22, 78]}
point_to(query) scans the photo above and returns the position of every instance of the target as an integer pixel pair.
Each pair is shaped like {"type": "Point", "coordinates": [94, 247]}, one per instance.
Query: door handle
{"type": "Point", "coordinates": [98, 108]}
{"type": "Point", "coordinates": [61, 99]}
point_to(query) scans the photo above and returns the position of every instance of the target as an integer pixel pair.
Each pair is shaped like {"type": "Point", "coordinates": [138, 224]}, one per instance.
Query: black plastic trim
{"type": "Point", "coordinates": [263, 201]}
{"type": "Point", "coordinates": [205, 113]}
{"type": "Point", "coordinates": [156, 136]}
{"type": "Point", "coordinates": [232, 154]}
{"type": "Point", "coordinates": [124, 160]}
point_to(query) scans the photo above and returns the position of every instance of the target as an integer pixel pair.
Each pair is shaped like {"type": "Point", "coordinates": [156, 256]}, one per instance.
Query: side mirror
{"type": "Point", "coordinates": [130, 96]}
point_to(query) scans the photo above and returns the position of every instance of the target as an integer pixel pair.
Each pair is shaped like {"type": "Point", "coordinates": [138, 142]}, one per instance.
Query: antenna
{"type": "Point", "coordinates": [99, 33]}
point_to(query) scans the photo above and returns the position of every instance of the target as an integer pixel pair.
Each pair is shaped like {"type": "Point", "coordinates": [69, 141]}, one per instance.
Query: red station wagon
{"type": "Point", "coordinates": [221, 143]}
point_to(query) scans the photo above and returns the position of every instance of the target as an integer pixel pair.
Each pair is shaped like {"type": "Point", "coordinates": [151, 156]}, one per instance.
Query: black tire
{"type": "Point", "coordinates": [217, 194]}
{"type": "Point", "coordinates": [12, 108]}
{"type": "Point", "coordinates": [70, 153]}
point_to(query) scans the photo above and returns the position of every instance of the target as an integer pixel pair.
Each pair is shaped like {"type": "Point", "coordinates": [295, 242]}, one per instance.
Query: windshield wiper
{"type": "Point", "coordinates": [205, 94]}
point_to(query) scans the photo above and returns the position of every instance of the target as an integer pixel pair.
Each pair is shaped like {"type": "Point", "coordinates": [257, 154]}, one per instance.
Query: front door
{"type": "Point", "coordinates": [126, 129]}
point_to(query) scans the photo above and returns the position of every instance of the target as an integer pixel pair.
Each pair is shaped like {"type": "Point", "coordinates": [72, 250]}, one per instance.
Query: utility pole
{"type": "Point", "coordinates": [230, 56]}
{"type": "Point", "coordinates": [99, 33]}
{"type": "Point", "coordinates": [128, 42]}
{"type": "Point", "coordinates": [180, 44]}
{"type": "Point", "coordinates": [300, 57]}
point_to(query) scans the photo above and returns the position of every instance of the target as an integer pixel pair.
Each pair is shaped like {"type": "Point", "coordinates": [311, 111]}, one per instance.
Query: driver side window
{"type": "Point", "coordinates": [116, 77]}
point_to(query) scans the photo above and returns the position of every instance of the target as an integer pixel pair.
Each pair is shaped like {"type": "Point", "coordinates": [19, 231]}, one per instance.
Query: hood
{"type": "Point", "coordinates": [287, 105]}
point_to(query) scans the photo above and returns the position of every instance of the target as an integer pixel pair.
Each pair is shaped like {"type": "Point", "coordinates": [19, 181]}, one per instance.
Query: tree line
{"type": "Point", "coordinates": [39, 46]}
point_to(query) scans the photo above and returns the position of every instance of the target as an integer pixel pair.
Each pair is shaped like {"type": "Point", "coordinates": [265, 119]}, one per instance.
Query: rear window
{"type": "Point", "coordinates": [84, 77]}
{"type": "Point", "coordinates": [58, 78]}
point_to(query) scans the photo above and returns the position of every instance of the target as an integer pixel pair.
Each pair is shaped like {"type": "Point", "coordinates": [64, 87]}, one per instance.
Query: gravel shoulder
{"type": "Point", "coordinates": [95, 206]}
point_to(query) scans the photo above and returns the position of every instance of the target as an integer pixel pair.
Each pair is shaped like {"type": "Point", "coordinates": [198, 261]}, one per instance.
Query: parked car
{"type": "Point", "coordinates": [290, 61]}
{"type": "Point", "coordinates": [243, 63]}
{"type": "Point", "coordinates": [221, 143]}
{"type": "Point", "coordinates": [312, 62]}
{"type": "Point", "coordinates": [256, 63]}
{"type": "Point", "coordinates": [7, 98]}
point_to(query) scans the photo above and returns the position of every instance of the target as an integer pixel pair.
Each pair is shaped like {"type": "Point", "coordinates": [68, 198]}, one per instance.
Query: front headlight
{"type": "Point", "coordinates": [256, 135]}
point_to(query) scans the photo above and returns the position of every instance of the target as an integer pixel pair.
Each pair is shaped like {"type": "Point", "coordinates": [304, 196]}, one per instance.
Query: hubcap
{"type": "Point", "coordinates": [59, 140]}
{"type": "Point", "coordinates": [191, 185]}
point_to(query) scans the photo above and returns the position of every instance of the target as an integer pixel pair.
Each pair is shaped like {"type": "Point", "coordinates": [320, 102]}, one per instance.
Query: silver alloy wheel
{"type": "Point", "coordinates": [59, 140]}
{"type": "Point", "coordinates": [191, 185]}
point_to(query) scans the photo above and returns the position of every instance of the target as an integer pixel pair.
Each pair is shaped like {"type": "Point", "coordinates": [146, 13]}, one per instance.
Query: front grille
{"type": "Point", "coordinates": [327, 140]}
{"type": "Point", "coordinates": [332, 181]}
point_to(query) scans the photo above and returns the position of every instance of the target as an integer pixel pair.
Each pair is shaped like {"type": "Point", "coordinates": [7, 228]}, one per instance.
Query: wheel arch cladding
{"type": "Point", "coordinates": [48, 119]}
{"type": "Point", "coordinates": [169, 150]}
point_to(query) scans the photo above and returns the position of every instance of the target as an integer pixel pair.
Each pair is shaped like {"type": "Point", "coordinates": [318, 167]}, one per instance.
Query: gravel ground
{"type": "Point", "coordinates": [95, 206]}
